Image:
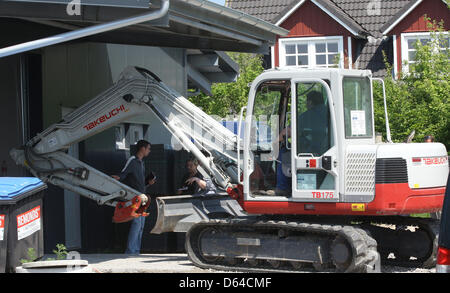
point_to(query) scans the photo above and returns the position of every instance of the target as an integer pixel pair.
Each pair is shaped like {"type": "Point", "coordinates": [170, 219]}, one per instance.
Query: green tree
{"type": "Point", "coordinates": [419, 100]}
{"type": "Point", "coordinates": [228, 98]}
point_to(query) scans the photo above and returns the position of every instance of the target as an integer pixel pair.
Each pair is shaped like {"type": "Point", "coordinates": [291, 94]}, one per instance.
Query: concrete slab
{"type": "Point", "coordinates": [174, 263]}
{"type": "Point", "coordinates": [142, 263]}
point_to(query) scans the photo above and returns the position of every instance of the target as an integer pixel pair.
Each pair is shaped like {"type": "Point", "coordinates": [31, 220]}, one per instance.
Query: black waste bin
{"type": "Point", "coordinates": [21, 206]}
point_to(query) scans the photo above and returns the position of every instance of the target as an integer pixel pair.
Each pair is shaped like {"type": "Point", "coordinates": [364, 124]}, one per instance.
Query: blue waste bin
{"type": "Point", "coordinates": [21, 227]}
{"type": "Point", "coordinates": [4, 216]}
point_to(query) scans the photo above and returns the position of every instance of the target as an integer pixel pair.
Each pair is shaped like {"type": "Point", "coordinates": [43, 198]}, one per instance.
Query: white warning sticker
{"type": "Point", "coordinates": [28, 222]}
{"type": "Point", "coordinates": [2, 227]}
{"type": "Point", "coordinates": [358, 124]}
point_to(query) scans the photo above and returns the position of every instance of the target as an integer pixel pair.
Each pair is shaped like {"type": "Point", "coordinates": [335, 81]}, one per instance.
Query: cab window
{"type": "Point", "coordinates": [357, 107]}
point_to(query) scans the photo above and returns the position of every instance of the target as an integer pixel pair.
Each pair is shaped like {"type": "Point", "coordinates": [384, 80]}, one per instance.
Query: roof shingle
{"type": "Point", "coordinates": [370, 15]}
{"type": "Point", "coordinates": [267, 10]}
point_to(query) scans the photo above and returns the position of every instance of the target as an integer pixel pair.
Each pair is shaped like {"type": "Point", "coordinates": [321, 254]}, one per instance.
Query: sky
{"type": "Point", "coordinates": [222, 2]}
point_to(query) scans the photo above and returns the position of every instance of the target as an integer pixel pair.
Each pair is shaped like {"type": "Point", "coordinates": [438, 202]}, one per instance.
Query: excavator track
{"type": "Point", "coordinates": [255, 245]}
{"type": "Point", "coordinates": [405, 241]}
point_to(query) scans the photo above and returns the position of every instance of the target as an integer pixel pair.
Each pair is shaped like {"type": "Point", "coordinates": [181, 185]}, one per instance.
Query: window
{"type": "Point", "coordinates": [313, 119]}
{"type": "Point", "coordinates": [268, 116]}
{"type": "Point", "coordinates": [313, 134]}
{"type": "Point", "coordinates": [323, 52]}
{"type": "Point", "coordinates": [409, 41]}
{"type": "Point", "coordinates": [265, 109]}
{"type": "Point", "coordinates": [297, 55]}
{"type": "Point", "coordinates": [357, 107]}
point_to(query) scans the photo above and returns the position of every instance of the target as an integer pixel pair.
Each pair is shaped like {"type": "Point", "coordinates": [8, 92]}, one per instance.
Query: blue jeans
{"type": "Point", "coordinates": [135, 236]}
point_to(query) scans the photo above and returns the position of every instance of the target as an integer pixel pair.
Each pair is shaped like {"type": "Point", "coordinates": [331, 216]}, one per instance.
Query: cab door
{"type": "Point", "coordinates": [314, 151]}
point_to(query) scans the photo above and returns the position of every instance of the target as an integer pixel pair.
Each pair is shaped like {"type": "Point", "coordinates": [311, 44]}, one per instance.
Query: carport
{"type": "Point", "coordinates": [191, 24]}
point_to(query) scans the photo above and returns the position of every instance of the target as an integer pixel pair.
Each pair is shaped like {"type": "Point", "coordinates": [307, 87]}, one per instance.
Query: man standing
{"type": "Point", "coordinates": [134, 175]}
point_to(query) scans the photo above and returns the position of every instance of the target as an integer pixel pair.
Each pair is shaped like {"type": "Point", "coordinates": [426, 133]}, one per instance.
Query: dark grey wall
{"type": "Point", "coordinates": [10, 113]}
{"type": "Point", "coordinates": [75, 73]}
{"type": "Point", "coordinates": [72, 75]}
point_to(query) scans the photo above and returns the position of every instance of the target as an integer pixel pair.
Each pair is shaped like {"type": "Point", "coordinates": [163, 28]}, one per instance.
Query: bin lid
{"type": "Point", "coordinates": [15, 188]}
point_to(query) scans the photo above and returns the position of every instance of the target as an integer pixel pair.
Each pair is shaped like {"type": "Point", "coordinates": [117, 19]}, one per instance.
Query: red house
{"type": "Point", "coordinates": [347, 33]}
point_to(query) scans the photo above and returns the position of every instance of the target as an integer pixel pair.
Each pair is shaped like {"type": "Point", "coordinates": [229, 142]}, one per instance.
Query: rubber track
{"type": "Point", "coordinates": [430, 226]}
{"type": "Point", "coordinates": [362, 245]}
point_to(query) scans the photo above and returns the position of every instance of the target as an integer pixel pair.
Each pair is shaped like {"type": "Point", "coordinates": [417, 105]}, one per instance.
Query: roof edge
{"type": "Point", "coordinates": [355, 28]}
{"type": "Point", "coordinates": [291, 8]}
{"type": "Point", "coordinates": [252, 20]}
{"type": "Point", "coordinates": [399, 16]}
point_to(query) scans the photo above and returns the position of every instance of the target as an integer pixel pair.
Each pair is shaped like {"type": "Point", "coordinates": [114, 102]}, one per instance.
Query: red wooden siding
{"type": "Point", "coordinates": [415, 22]}
{"type": "Point", "coordinates": [311, 21]}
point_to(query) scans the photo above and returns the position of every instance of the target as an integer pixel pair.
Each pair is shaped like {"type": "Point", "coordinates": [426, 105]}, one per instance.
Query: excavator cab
{"type": "Point", "coordinates": [293, 123]}
{"type": "Point", "coordinates": [310, 148]}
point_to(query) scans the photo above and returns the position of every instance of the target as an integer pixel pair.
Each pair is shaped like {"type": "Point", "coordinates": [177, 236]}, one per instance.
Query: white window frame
{"type": "Point", "coordinates": [404, 37]}
{"type": "Point", "coordinates": [311, 41]}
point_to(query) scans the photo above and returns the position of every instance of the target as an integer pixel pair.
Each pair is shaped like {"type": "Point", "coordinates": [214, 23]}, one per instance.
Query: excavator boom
{"type": "Point", "coordinates": [137, 92]}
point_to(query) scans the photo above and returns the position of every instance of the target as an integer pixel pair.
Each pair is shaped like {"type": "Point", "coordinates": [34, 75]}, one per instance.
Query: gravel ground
{"type": "Point", "coordinates": [176, 263]}
{"type": "Point", "coordinates": [392, 269]}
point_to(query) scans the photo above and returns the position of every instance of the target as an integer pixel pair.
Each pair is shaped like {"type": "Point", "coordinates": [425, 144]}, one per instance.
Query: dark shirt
{"type": "Point", "coordinates": [191, 188]}
{"type": "Point", "coordinates": [133, 175]}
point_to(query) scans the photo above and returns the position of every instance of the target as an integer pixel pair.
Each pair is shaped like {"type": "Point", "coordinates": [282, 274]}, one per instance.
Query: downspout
{"type": "Point", "coordinates": [81, 33]}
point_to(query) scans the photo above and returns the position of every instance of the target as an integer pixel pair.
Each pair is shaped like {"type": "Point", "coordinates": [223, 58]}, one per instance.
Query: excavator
{"type": "Point", "coordinates": [302, 186]}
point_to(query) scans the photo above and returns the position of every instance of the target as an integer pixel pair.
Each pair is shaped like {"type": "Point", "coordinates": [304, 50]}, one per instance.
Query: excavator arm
{"type": "Point", "coordinates": [137, 92]}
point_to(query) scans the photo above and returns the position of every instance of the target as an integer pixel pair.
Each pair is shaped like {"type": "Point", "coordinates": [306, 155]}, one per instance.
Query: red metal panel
{"type": "Point", "coordinates": [390, 199]}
